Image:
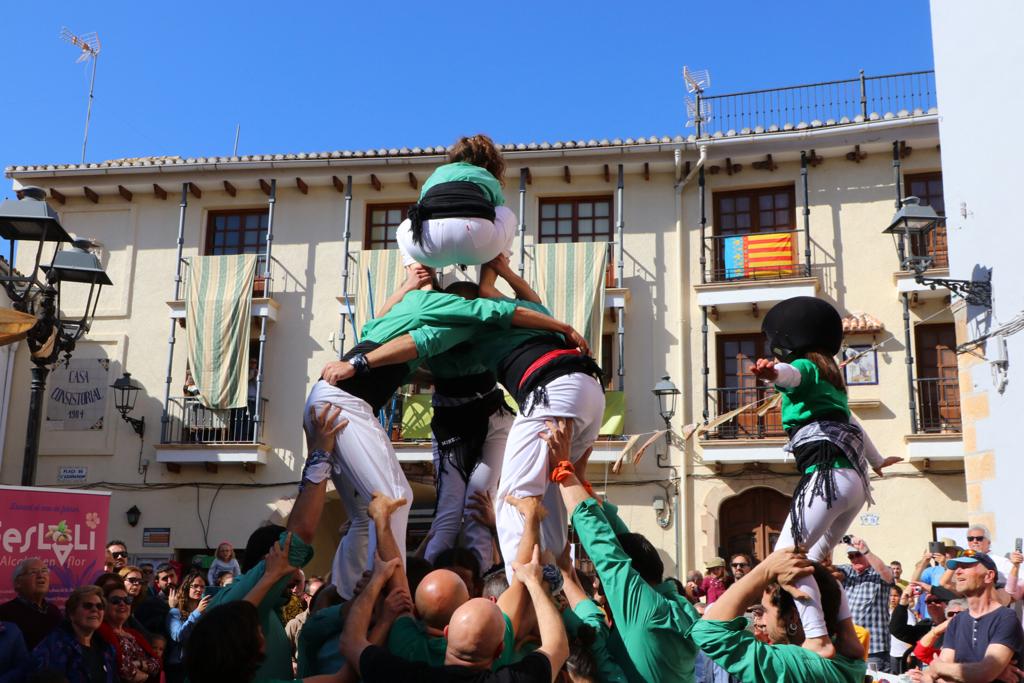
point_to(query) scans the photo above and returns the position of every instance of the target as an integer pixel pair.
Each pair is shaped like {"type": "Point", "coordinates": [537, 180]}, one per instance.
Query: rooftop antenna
{"type": "Point", "coordinates": [89, 44]}
{"type": "Point", "coordinates": [238, 129]}
{"type": "Point", "coordinates": [697, 110]}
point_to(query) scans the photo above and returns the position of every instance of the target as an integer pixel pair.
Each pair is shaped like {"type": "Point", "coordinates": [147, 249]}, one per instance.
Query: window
{"type": "Point", "coordinates": [938, 384]}
{"type": "Point", "coordinates": [237, 232]}
{"type": "Point", "coordinates": [579, 219]}
{"type": "Point", "coordinates": [576, 219]}
{"type": "Point", "coordinates": [737, 387]}
{"type": "Point", "coordinates": [382, 221]}
{"type": "Point", "coordinates": [928, 188]}
{"type": "Point", "coordinates": [769, 212]}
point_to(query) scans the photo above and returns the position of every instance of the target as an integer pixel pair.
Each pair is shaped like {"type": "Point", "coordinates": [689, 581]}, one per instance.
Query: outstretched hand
{"type": "Point", "coordinates": [576, 338]}
{"type": "Point", "coordinates": [764, 369]}
{"type": "Point", "coordinates": [891, 460]}
{"type": "Point", "coordinates": [559, 440]}
{"type": "Point", "coordinates": [381, 507]}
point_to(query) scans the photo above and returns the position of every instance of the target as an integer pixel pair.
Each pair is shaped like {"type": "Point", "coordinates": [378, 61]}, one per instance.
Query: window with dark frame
{"type": "Point", "coordinates": [239, 231]}
{"type": "Point", "coordinates": [928, 188]}
{"type": "Point", "coordinates": [579, 219]}
{"type": "Point", "coordinates": [749, 212]}
{"type": "Point", "coordinates": [382, 221]}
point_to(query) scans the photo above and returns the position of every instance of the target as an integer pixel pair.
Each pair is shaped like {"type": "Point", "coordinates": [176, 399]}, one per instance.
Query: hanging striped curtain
{"type": "Point", "coordinates": [218, 306]}
{"type": "Point", "coordinates": [379, 273]}
{"type": "Point", "coordinates": [569, 277]}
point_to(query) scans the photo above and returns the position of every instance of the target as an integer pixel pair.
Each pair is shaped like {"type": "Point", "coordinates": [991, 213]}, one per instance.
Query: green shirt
{"type": "Point", "coordinates": [587, 612]}
{"type": "Point", "coordinates": [438, 321]}
{"type": "Point", "coordinates": [278, 661]}
{"type": "Point", "coordinates": [462, 170]}
{"type": "Point", "coordinates": [318, 651]}
{"type": "Point", "coordinates": [409, 640]}
{"type": "Point", "coordinates": [648, 639]}
{"type": "Point", "coordinates": [736, 650]}
{"type": "Point", "coordinates": [813, 397]}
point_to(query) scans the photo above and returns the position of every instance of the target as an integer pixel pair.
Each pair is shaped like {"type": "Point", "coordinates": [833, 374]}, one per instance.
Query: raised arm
{"type": "Point", "coordinates": [416, 277]}
{"type": "Point", "coordinates": [380, 510]}
{"type": "Point", "coordinates": [553, 642]}
{"type": "Point", "coordinates": [500, 266]}
{"type": "Point", "coordinates": [515, 601]}
{"type": "Point", "coordinates": [783, 566]}
{"type": "Point", "coordinates": [354, 638]}
{"type": "Point", "coordinates": [874, 560]}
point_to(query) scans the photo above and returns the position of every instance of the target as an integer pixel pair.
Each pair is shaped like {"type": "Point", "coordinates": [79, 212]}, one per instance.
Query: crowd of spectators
{"type": "Point", "coordinates": [263, 619]}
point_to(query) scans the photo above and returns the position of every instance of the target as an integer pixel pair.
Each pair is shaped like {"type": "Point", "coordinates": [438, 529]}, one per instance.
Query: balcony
{"type": "Point", "coordinates": [938, 405]}
{"type": "Point", "coordinates": [753, 269]}
{"type": "Point", "coordinates": [263, 303]}
{"type": "Point", "coordinates": [195, 434]}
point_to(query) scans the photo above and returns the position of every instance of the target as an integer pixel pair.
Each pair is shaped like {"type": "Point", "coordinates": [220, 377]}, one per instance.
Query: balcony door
{"type": "Point", "coordinates": [741, 213]}
{"type": "Point", "coordinates": [737, 387]}
{"type": "Point", "coordinates": [938, 389]}
{"type": "Point", "coordinates": [928, 188]}
{"type": "Point", "coordinates": [751, 522]}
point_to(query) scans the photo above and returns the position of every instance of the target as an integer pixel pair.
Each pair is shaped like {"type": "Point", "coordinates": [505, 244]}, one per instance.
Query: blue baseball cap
{"type": "Point", "coordinates": [971, 557]}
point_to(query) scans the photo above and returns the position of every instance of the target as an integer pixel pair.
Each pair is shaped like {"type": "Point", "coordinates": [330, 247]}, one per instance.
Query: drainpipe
{"type": "Point", "coordinates": [683, 332]}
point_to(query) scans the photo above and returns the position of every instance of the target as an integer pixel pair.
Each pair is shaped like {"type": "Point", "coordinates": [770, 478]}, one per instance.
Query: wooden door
{"type": "Point", "coordinates": [938, 388]}
{"type": "Point", "coordinates": [737, 387]}
{"type": "Point", "coordinates": [751, 522]}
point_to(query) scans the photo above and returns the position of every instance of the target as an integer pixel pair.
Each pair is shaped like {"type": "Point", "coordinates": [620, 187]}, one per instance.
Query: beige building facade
{"type": "Point", "coordinates": [695, 320]}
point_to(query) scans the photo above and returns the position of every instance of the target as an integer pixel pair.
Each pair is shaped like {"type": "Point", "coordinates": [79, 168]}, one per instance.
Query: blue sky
{"type": "Point", "coordinates": [175, 79]}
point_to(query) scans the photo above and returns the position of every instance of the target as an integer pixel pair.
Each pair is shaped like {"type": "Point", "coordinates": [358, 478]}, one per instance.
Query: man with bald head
{"type": "Point", "coordinates": [439, 594]}
{"type": "Point", "coordinates": [475, 638]}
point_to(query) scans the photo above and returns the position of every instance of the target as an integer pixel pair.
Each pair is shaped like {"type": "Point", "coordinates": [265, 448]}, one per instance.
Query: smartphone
{"type": "Point", "coordinates": [848, 539]}
{"type": "Point", "coordinates": [936, 547]}
{"type": "Point", "coordinates": [210, 591]}
{"type": "Point", "coordinates": [1018, 545]}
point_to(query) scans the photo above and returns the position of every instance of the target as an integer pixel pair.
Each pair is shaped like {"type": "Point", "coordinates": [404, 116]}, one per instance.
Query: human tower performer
{"type": "Point", "coordinates": [831, 449]}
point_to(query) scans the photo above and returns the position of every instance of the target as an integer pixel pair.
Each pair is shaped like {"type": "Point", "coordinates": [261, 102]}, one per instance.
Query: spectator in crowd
{"type": "Point", "coordinates": [723, 636]}
{"type": "Point", "coordinates": [15, 663]}
{"type": "Point", "coordinates": [740, 565]}
{"type": "Point", "coordinates": [153, 609]}
{"type": "Point", "coordinates": [908, 629]}
{"type": "Point", "coordinates": [987, 642]}
{"type": "Point", "coordinates": [224, 579]}
{"type": "Point", "coordinates": [223, 562]}
{"type": "Point", "coordinates": [930, 643]}
{"type": "Point", "coordinates": [148, 574]}
{"type": "Point", "coordinates": [866, 580]}
{"type": "Point", "coordinates": [136, 661]}
{"type": "Point", "coordinates": [931, 567]}
{"type": "Point", "coordinates": [34, 615]}
{"type": "Point", "coordinates": [133, 585]}
{"type": "Point", "coordinates": [715, 580]}
{"type": "Point", "coordinates": [896, 567]}
{"type": "Point", "coordinates": [979, 540]}
{"type": "Point", "coordinates": [1014, 586]}
{"type": "Point", "coordinates": [296, 591]}
{"type": "Point", "coordinates": [649, 618]}
{"type": "Point", "coordinates": [181, 619]}
{"type": "Point", "coordinates": [474, 637]}
{"type": "Point", "coordinates": [75, 648]}
{"type": "Point", "coordinates": [118, 553]}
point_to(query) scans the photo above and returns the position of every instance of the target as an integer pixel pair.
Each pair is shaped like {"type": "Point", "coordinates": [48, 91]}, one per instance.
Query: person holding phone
{"type": "Point", "coordinates": [191, 602]}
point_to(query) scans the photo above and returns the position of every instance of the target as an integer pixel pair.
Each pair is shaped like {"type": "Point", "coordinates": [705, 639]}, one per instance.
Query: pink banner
{"type": "Point", "coordinates": [65, 529]}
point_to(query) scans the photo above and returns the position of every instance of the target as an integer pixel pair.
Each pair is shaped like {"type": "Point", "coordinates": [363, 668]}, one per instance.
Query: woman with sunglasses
{"type": "Point", "coordinates": [74, 648]}
{"type": "Point", "coordinates": [133, 586]}
{"type": "Point", "coordinates": [136, 660]}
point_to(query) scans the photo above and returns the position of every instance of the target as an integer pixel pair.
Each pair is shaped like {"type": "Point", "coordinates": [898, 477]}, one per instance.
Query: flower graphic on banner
{"type": "Point", "coordinates": [92, 520]}
{"type": "Point", "coordinates": [59, 533]}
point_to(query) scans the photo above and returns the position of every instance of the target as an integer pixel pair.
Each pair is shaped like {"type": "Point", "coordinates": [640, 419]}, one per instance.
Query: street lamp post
{"type": "Point", "coordinates": [30, 219]}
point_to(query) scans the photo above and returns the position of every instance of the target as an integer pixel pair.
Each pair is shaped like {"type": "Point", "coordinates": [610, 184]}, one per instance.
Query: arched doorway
{"type": "Point", "coordinates": [751, 522]}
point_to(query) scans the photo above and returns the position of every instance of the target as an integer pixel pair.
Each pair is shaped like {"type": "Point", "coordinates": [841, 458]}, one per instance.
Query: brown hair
{"type": "Point", "coordinates": [479, 150]}
{"type": "Point", "coordinates": [828, 369]}
{"type": "Point", "coordinates": [185, 603]}
{"type": "Point", "coordinates": [830, 598]}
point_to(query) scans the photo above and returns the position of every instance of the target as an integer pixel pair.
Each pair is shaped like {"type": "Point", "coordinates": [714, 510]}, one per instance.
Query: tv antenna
{"type": "Point", "coordinates": [89, 44]}
{"type": "Point", "coordinates": [697, 109]}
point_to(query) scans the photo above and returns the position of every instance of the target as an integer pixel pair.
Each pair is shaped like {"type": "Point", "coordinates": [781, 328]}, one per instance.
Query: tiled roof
{"type": "Point", "coordinates": [399, 152]}
{"type": "Point", "coordinates": [861, 323]}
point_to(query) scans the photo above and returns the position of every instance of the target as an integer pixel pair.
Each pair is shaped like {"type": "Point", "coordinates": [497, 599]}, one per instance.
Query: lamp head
{"type": "Point", "coordinates": [30, 218]}
{"type": "Point", "coordinates": [666, 392]}
{"type": "Point", "coordinates": [913, 218]}
{"type": "Point", "coordinates": [126, 391]}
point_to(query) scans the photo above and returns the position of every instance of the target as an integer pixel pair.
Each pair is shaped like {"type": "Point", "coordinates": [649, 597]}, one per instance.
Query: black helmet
{"type": "Point", "coordinates": [802, 324]}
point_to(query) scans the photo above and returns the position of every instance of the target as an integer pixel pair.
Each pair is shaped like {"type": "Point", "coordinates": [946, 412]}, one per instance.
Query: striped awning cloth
{"type": "Point", "coordinates": [218, 306]}
{"type": "Point", "coordinates": [569, 277]}
{"type": "Point", "coordinates": [379, 273]}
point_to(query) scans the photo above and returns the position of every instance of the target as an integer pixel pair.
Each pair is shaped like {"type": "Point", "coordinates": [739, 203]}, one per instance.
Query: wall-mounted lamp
{"type": "Point", "coordinates": [125, 392]}
{"type": "Point", "coordinates": [133, 514]}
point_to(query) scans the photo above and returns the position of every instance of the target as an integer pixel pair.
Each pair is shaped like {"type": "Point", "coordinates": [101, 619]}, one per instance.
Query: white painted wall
{"type": "Point", "coordinates": [978, 61]}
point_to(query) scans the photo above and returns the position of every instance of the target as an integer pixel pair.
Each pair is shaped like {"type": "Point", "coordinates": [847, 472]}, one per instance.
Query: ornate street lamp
{"type": "Point", "coordinates": [125, 393]}
{"type": "Point", "coordinates": [913, 224]}
{"type": "Point", "coordinates": [667, 393]}
{"type": "Point", "coordinates": [26, 220]}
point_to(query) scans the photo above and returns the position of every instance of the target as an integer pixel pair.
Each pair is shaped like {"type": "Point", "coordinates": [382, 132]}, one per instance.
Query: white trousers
{"type": "Point", "coordinates": [454, 493]}
{"type": "Point", "coordinates": [364, 462]}
{"type": "Point", "coordinates": [469, 241]}
{"type": "Point", "coordinates": [525, 470]}
{"type": "Point", "coordinates": [825, 529]}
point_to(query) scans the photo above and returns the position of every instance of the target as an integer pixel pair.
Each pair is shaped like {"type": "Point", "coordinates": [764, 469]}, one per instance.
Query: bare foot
{"type": "Point", "coordinates": [821, 646]}
{"type": "Point", "coordinates": [381, 507]}
{"type": "Point", "coordinates": [530, 505]}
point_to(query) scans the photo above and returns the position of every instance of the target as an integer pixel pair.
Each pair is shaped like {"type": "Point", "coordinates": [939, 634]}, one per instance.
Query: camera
{"type": "Point", "coordinates": [848, 539]}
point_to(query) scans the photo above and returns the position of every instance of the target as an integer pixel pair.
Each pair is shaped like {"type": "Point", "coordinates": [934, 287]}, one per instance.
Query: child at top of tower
{"type": "Point", "coordinates": [461, 217]}
{"type": "Point", "coordinates": [831, 450]}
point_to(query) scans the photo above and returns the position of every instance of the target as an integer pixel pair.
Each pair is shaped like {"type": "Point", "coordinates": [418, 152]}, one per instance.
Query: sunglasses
{"type": "Point", "coordinates": [740, 565]}
{"type": "Point", "coordinates": [935, 602]}
{"type": "Point", "coordinates": [950, 615]}
{"type": "Point", "coordinates": [118, 600]}
{"type": "Point", "coordinates": [976, 539]}
{"type": "Point", "coordinates": [95, 606]}
{"type": "Point", "coordinates": [119, 553]}
{"type": "Point", "coordinates": [854, 556]}
{"type": "Point", "coordinates": [134, 581]}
